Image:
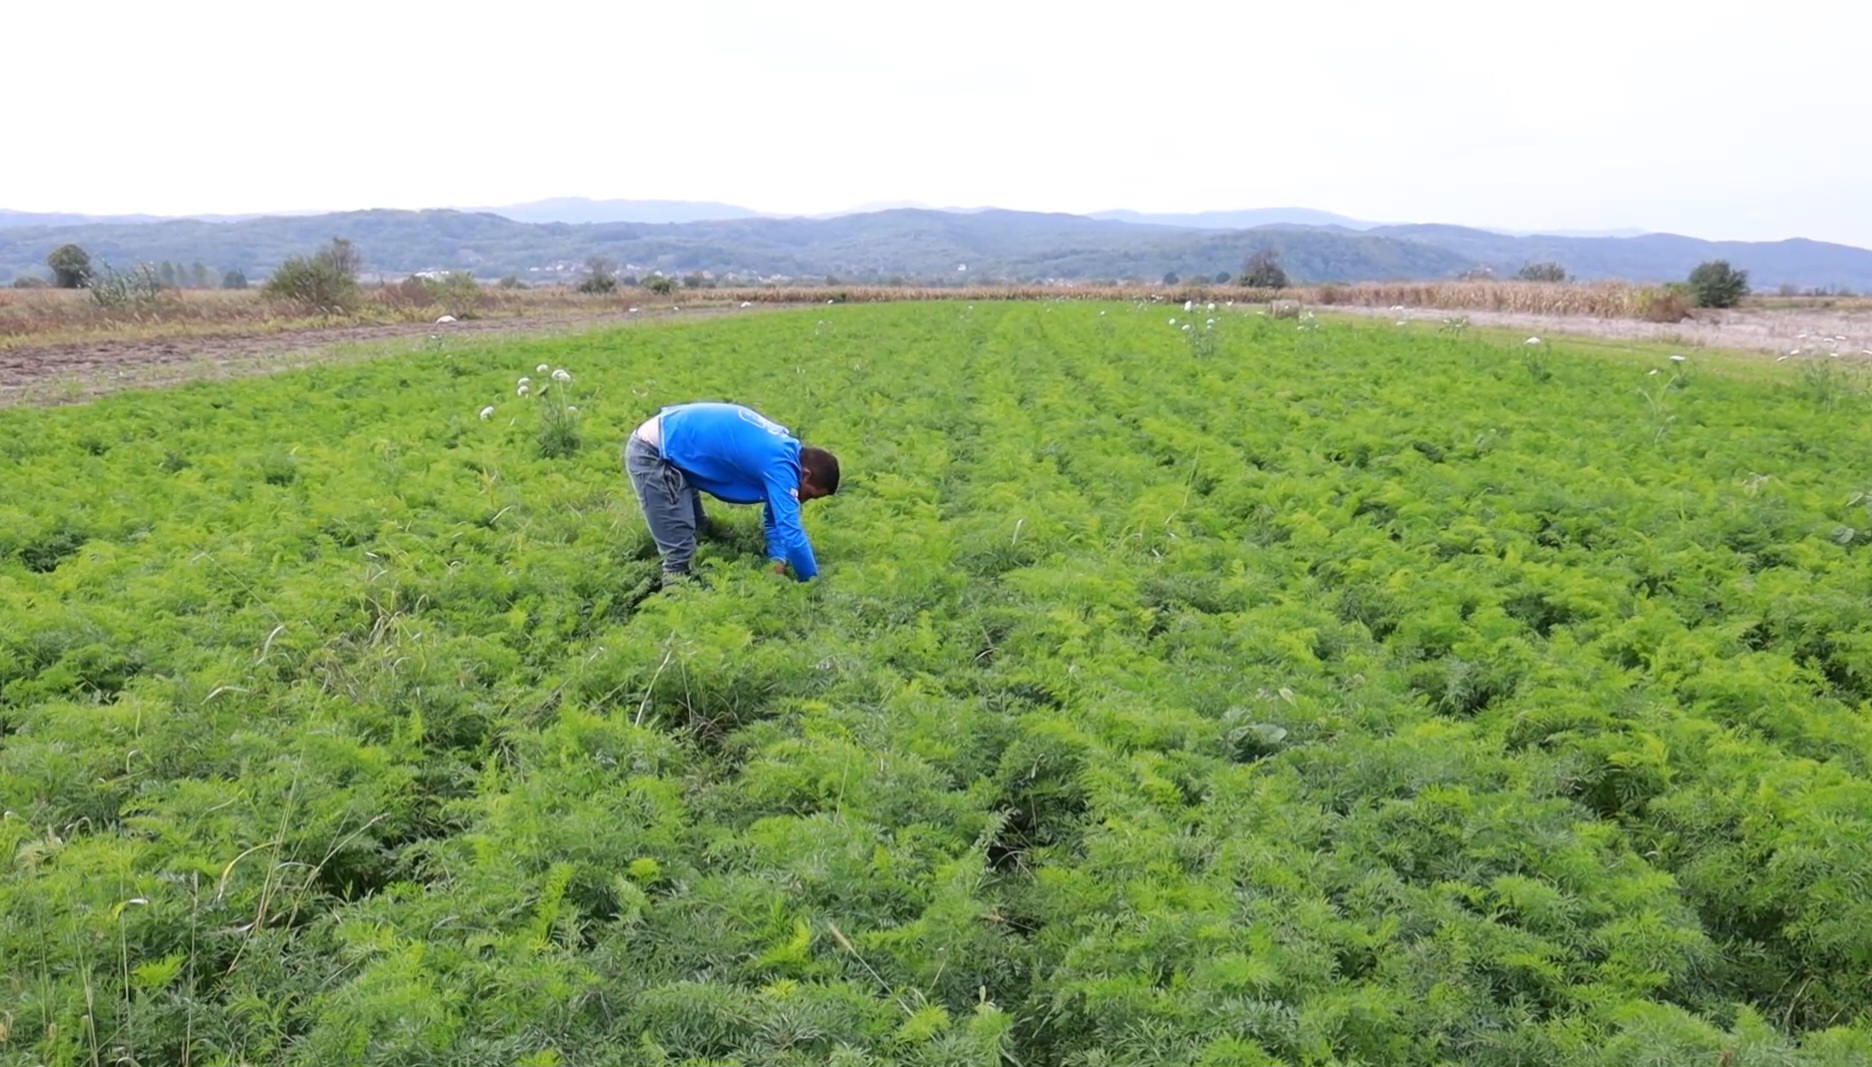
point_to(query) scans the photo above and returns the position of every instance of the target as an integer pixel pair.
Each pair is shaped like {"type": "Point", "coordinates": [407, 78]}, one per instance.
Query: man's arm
{"type": "Point", "coordinates": [767, 526]}
{"type": "Point", "coordinates": [786, 538]}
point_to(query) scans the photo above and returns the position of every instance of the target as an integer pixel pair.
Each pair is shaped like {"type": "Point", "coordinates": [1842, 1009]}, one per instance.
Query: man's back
{"type": "Point", "coordinates": [729, 451]}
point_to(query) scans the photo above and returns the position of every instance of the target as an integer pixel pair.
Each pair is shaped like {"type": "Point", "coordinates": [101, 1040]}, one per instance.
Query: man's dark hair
{"type": "Point", "coordinates": [823, 465]}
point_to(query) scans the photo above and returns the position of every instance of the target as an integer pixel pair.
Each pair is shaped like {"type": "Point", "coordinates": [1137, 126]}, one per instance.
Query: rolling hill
{"type": "Point", "coordinates": [911, 244]}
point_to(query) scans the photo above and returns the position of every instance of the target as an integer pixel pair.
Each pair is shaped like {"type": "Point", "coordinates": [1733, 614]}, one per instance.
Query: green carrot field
{"type": "Point", "coordinates": [1307, 693]}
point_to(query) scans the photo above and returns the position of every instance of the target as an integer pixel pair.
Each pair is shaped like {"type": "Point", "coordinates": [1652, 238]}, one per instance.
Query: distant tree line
{"type": "Point", "coordinates": [328, 278]}
{"type": "Point", "coordinates": [72, 268]}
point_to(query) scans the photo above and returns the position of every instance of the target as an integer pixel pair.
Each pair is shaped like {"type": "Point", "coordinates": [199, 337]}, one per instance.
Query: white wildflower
{"type": "Point", "coordinates": [632, 311]}
{"type": "Point", "coordinates": [524, 381]}
{"type": "Point", "coordinates": [1173, 320]}
{"type": "Point", "coordinates": [1186, 326]}
{"type": "Point", "coordinates": [1653, 370]}
{"type": "Point", "coordinates": [541, 369]}
{"type": "Point", "coordinates": [487, 413]}
{"type": "Point", "coordinates": [1189, 305]}
{"type": "Point", "coordinates": [572, 408]}
{"type": "Point", "coordinates": [522, 390]}
{"type": "Point", "coordinates": [747, 303]}
{"type": "Point", "coordinates": [1677, 359]}
{"type": "Point", "coordinates": [1531, 341]}
{"type": "Point", "coordinates": [561, 375]}
{"type": "Point", "coordinates": [1397, 307]}
{"type": "Point", "coordinates": [1211, 305]}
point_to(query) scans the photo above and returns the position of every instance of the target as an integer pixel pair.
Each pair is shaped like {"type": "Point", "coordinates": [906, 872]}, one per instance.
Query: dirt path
{"type": "Point", "coordinates": [82, 369]}
{"type": "Point", "coordinates": [1777, 332]}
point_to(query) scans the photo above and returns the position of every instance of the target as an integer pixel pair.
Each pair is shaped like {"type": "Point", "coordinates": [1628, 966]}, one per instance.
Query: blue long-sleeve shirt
{"type": "Point", "coordinates": [738, 455]}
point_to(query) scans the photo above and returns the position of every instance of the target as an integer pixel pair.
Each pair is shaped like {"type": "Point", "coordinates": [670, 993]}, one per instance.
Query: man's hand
{"type": "Point", "coordinates": [780, 569]}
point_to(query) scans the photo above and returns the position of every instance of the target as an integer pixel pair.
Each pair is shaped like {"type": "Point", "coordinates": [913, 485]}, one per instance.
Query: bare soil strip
{"type": "Point", "coordinates": [71, 371]}
{"type": "Point", "coordinates": [1776, 332]}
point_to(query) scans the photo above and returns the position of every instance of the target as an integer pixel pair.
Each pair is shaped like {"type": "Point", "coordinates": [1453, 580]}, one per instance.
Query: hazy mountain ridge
{"type": "Point", "coordinates": [912, 243]}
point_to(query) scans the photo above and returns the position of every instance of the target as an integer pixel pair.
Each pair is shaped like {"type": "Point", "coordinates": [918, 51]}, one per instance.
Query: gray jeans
{"type": "Point", "coordinates": [672, 508]}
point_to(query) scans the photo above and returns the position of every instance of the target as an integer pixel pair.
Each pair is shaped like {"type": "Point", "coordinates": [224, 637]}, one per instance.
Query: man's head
{"type": "Point", "coordinates": [819, 473]}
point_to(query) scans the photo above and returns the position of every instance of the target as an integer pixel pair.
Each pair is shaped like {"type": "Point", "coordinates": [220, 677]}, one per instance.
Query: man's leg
{"type": "Point", "coordinates": [670, 505]}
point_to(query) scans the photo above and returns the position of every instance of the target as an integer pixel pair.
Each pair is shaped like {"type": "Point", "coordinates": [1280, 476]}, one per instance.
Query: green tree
{"type": "Point", "coordinates": [659, 285]}
{"type": "Point", "coordinates": [198, 276]}
{"type": "Point", "coordinates": [1543, 272]}
{"type": "Point", "coordinates": [71, 267]}
{"type": "Point", "coordinates": [1222, 277]}
{"type": "Point", "coordinates": [1263, 271]}
{"type": "Point", "coordinates": [234, 279]}
{"type": "Point", "coordinates": [1716, 284]}
{"type": "Point", "coordinates": [1171, 278]}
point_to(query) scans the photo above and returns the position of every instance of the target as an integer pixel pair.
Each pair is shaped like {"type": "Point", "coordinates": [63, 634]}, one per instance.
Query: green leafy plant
{"type": "Point", "coordinates": [553, 398]}
{"type": "Point", "coordinates": [1333, 698]}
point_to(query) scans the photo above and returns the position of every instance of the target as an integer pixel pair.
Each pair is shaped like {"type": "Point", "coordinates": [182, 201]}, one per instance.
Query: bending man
{"type": "Point", "coordinates": [734, 454]}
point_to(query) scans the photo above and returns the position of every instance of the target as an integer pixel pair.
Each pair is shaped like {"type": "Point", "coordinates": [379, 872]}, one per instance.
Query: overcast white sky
{"type": "Point", "coordinates": [1714, 118]}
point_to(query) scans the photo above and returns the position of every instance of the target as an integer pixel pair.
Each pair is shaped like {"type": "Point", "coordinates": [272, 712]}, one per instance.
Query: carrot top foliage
{"type": "Point", "coordinates": [1343, 694]}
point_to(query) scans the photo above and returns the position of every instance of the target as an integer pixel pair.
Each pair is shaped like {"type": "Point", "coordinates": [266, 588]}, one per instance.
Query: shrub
{"type": "Point", "coordinates": [326, 279]}
{"type": "Point", "coordinates": [71, 267]}
{"type": "Point", "coordinates": [139, 286]}
{"type": "Point", "coordinates": [1543, 272]}
{"type": "Point", "coordinates": [234, 279]}
{"type": "Point", "coordinates": [1718, 285]}
{"type": "Point", "coordinates": [459, 294]}
{"type": "Point", "coordinates": [659, 285]}
{"type": "Point", "coordinates": [411, 292]}
{"type": "Point", "coordinates": [1263, 271]}
{"type": "Point", "coordinates": [1671, 303]}
{"type": "Point", "coordinates": [599, 276]}
{"type": "Point", "coordinates": [29, 281]}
